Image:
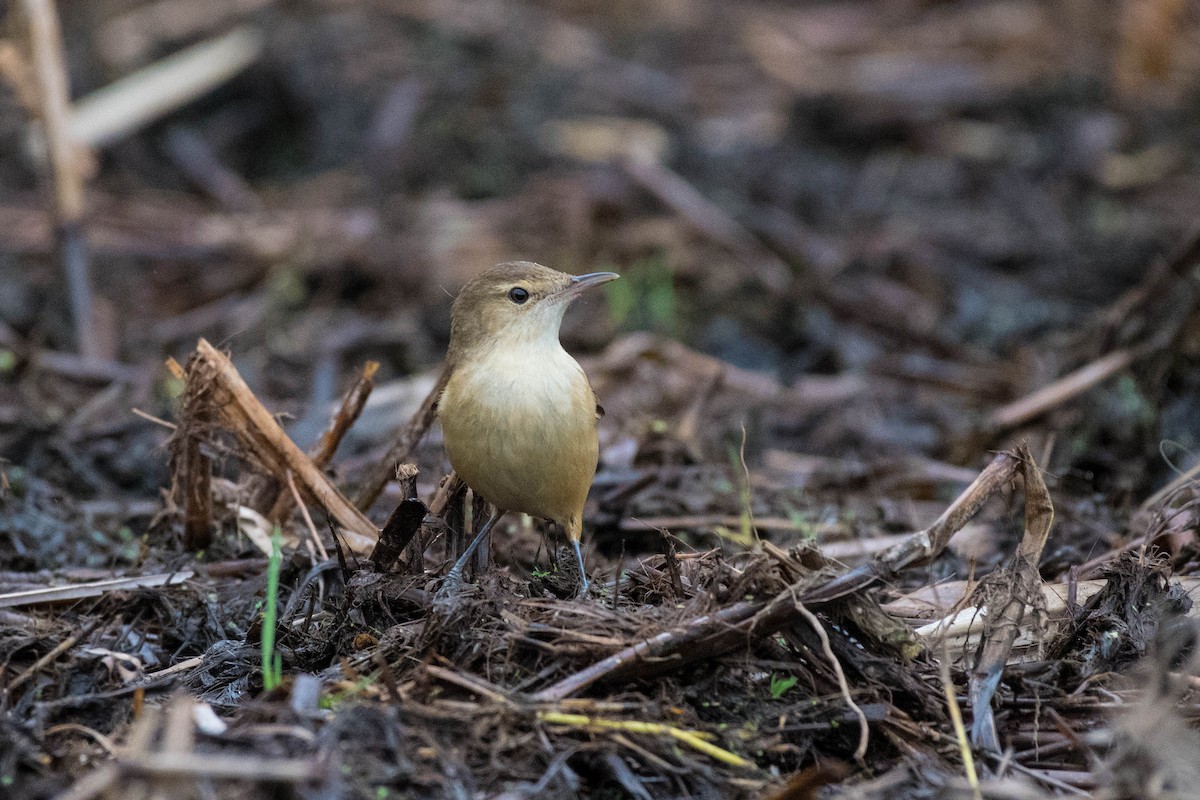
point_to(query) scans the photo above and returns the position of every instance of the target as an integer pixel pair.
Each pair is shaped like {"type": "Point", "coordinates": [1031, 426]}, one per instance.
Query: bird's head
{"type": "Point", "coordinates": [515, 303]}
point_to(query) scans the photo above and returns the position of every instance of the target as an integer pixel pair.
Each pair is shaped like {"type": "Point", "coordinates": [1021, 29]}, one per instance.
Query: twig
{"type": "Point", "coordinates": [95, 735]}
{"type": "Point", "coordinates": [402, 446]}
{"type": "Point", "coordinates": [708, 219]}
{"type": "Point", "coordinates": [864, 730]}
{"type": "Point", "coordinates": [1161, 499]}
{"type": "Point", "coordinates": [667, 647]}
{"type": "Point", "coordinates": [711, 635]}
{"type": "Point", "coordinates": [922, 547]}
{"type": "Point", "coordinates": [197, 160]}
{"type": "Point", "coordinates": [472, 683]}
{"type": "Point", "coordinates": [347, 414]}
{"type": "Point", "coordinates": [308, 522]}
{"type": "Point", "coordinates": [92, 784]}
{"type": "Point", "coordinates": [708, 522]}
{"type": "Point", "coordinates": [212, 766]}
{"type": "Point", "coordinates": [690, 738]}
{"type": "Point", "coordinates": [55, 652]}
{"type": "Point", "coordinates": [84, 368]}
{"type": "Point", "coordinates": [1066, 388]}
{"type": "Point", "coordinates": [137, 412]}
{"type": "Point", "coordinates": [79, 591]}
{"type": "Point", "coordinates": [1160, 277]}
{"type": "Point", "coordinates": [1020, 587]}
{"type": "Point", "coordinates": [136, 100]}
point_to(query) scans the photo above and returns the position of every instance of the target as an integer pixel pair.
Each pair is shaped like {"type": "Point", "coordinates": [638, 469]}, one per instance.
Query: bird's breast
{"type": "Point", "coordinates": [520, 429]}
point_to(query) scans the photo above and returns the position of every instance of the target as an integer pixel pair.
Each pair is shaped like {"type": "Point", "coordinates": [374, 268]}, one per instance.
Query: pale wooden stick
{"type": "Point", "coordinates": [78, 591]}
{"type": "Point", "coordinates": [312, 529]}
{"type": "Point", "coordinates": [126, 105]}
{"type": "Point", "coordinates": [1064, 389]}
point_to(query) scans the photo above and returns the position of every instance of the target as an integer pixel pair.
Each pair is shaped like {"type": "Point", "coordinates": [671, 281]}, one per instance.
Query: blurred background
{"type": "Point", "coordinates": [870, 224]}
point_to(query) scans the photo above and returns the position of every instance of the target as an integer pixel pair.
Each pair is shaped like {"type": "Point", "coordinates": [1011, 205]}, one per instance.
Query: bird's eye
{"type": "Point", "coordinates": [518, 295]}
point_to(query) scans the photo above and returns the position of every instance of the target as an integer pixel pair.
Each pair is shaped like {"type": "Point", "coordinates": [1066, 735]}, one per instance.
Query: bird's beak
{"type": "Point", "coordinates": [580, 282]}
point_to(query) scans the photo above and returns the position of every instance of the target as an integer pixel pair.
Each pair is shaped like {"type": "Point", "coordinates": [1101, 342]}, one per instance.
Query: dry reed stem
{"type": "Point", "coordinates": [54, 110]}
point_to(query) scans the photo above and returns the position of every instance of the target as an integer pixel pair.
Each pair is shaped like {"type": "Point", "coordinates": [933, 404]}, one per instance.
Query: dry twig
{"type": "Point", "coordinates": [402, 446]}
{"type": "Point", "coordinates": [1019, 588]}
{"type": "Point", "coordinates": [78, 591]}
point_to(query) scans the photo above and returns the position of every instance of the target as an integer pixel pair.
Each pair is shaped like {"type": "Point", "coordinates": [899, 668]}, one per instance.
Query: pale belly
{"type": "Point", "coordinates": [527, 443]}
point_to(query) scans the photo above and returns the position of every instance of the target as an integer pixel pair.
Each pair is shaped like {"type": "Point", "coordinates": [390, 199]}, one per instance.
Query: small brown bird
{"type": "Point", "coordinates": [518, 414]}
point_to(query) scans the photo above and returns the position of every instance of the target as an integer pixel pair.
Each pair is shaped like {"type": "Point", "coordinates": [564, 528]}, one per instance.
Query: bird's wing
{"type": "Point", "coordinates": [439, 388]}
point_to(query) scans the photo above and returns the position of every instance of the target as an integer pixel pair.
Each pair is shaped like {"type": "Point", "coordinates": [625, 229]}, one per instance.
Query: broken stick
{"type": "Point", "coordinates": [255, 427]}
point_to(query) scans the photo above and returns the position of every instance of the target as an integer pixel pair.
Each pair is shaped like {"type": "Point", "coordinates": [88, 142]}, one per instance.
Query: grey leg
{"type": "Point", "coordinates": [583, 579]}
{"type": "Point", "coordinates": [455, 576]}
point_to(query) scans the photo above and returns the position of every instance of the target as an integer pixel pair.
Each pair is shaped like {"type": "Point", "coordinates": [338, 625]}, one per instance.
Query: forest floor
{"type": "Point", "coordinates": [897, 489]}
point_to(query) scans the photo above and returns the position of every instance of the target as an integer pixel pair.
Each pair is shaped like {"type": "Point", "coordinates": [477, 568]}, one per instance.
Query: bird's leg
{"type": "Point", "coordinates": [483, 558]}
{"type": "Point", "coordinates": [583, 579]}
{"type": "Point", "coordinates": [454, 578]}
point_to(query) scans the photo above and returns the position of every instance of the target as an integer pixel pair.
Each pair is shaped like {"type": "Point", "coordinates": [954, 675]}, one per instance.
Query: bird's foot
{"type": "Point", "coordinates": [446, 600]}
{"type": "Point", "coordinates": [449, 594]}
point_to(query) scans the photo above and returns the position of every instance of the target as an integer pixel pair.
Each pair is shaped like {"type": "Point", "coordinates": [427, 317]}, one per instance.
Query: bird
{"type": "Point", "coordinates": [518, 414]}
